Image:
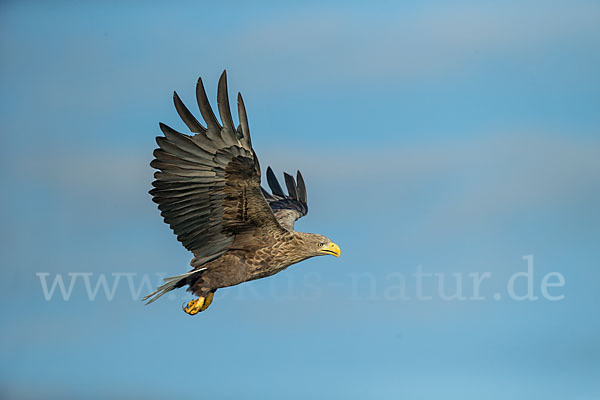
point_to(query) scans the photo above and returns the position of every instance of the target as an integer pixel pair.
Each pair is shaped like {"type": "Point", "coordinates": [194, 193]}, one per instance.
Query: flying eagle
{"type": "Point", "coordinates": [208, 190]}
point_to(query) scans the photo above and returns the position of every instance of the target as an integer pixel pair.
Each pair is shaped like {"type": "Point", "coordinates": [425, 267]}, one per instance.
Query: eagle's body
{"type": "Point", "coordinates": [208, 190]}
{"type": "Point", "coordinates": [274, 254]}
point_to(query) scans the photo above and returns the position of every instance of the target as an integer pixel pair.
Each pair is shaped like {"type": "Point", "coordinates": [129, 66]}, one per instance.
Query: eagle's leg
{"type": "Point", "coordinates": [200, 304]}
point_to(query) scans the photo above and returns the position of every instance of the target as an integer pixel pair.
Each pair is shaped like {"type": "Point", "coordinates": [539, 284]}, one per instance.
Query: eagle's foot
{"type": "Point", "coordinates": [200, 304]}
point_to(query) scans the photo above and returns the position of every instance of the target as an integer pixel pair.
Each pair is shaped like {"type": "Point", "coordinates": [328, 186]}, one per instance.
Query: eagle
{"type": "Point", "coordinates": [208, 189]}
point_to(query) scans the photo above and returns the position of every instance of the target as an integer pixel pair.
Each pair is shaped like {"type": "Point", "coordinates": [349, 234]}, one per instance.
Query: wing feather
{"type": "Point", "coordinates": [287, 209]}
{"type": "Point", "coordinates": [291, 186]}
{"type": "Point", "coordinates": [274, 184]}
{"type": "Point", "coordinates": [301, 187]}
{"type": "Point", "coordinates": [187, 117]}
{"type": "Point", "coordinates": [207, 186]}
{"type": "Point", "coordinates": [243, 129]}
{"type": "Point", "coordinates": [228, 131]}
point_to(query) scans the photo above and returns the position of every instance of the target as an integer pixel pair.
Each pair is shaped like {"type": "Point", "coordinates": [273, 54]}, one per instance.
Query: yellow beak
{"type": "Point", "coordinates": [331, 248]}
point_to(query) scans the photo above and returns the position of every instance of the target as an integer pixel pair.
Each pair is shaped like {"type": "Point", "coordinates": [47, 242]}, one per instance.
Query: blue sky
{"type": "Point", "coordinates": [455, 137]}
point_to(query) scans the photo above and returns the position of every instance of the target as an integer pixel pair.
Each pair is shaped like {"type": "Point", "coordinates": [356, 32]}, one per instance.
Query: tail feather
{"type": "Point", "coordinates": [170, 284]}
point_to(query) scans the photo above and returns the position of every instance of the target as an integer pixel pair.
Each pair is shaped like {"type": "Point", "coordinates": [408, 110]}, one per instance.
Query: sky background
{"type": "Point", "coordinates": [455, 137]}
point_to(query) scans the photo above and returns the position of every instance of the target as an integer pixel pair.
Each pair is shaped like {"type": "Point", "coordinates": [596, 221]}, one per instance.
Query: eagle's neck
{"type": "Point", "coordinates": [291, 249]}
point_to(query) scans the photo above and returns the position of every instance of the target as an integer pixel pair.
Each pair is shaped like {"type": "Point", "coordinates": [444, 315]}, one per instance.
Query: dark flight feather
{"type": "Point", "coordinates": [246, 141]}
{"type": "Point", "coordinates": [223, 104]}
{"type": "Point", "coordinates": [291, 186]}
{"type": "Point", "coordinates": [290, 208]}
{"type": "Point", "coordinates": [205, 108]}
{"type": "Point", "coordinates": [301, 187]}
{"type": "Point", "coordinates": [274, 183]}
{"type": "Point", "coordinates": [187, 117]}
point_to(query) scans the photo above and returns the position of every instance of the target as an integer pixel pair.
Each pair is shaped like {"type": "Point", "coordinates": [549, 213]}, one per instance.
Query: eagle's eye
{"type": "Point", "coordinates": [321, 244]}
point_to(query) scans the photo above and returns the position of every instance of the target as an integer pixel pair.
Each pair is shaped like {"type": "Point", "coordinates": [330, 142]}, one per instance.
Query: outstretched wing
{"type": "Point", "coordinates": [287, 209]}
{"type": "Point", "coordinates": [208, 185]}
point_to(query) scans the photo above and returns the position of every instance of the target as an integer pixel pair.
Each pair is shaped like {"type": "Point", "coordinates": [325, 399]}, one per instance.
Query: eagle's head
{"type": "Point", "coordinates": [319, 245]}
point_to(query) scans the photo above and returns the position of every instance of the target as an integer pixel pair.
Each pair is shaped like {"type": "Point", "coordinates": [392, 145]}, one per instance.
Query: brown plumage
{"type": "Point", "coordinates": [208, 190]}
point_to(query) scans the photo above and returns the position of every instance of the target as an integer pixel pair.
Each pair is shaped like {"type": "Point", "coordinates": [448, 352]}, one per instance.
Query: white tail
{"type": "Point", "coordinates": [170, 284]}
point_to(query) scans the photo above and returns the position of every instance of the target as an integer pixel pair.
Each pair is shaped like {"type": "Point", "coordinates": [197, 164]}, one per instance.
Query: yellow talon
{"type": "Point", "coordinates": [194, 306]}
{"type": "Point", "coordinates": [200, 304]}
